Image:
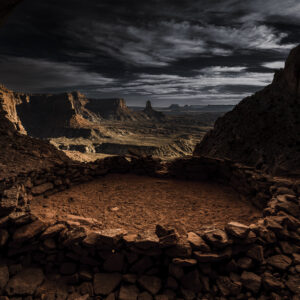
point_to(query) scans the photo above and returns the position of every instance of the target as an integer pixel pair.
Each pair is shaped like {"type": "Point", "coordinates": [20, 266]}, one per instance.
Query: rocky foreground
{"type": "Point", "coordinates": [263, 130]}
{"type": "Point", "coordinates": [66, 260]}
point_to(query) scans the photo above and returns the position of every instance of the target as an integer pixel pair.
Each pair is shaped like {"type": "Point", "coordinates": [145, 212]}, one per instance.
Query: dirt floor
{"type": "Point", "coordinates": [138, 203]}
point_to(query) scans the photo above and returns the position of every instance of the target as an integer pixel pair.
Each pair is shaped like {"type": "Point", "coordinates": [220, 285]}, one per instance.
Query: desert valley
{"type": "Point", "coordinates": [107, 198]}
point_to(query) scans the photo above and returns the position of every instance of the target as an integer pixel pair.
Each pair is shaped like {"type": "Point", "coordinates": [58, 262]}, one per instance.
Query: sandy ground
{"type": "Point", "coordinates": [138, 203]}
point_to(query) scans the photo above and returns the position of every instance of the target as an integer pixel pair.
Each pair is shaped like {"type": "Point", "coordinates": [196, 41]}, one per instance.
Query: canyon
{"type": "Point", "coordinates": [97, 127]}
{"type": "Point", "coordinates": [221, 224]}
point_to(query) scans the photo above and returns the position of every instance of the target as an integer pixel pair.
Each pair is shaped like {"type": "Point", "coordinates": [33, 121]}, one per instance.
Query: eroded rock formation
{"type": "Point", "coordinates": [112, 109]}
{"type": "Point", "coordinates": [264, 129]}
{"type": "Point", "coordinates": [153, 114]}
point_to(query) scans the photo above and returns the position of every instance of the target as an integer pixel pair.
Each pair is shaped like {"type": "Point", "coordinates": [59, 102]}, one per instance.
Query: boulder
{"type": "Point", "coordinates": [293, 283]}
{"type": "Point", "coordinates": [53, 231]}
{"type": "Point", "coordinates": [244, 262]}
{"type": "Point", "coordinates": [182, 249]}
{"type": "Point", "coordinates": [251, 281]}
{"type": "Point", "coordinates": [29, 231]}
{"type": "Point", "coordinates": [228, 287]}
{"type": "Point", "coordinates": [25, 282]}
{"type": "Point", "coordinates": [281, 262]}
{"type": "Point", "coordinates": [237, 230]}
{"type": "Point", "coordinates": [217, 238]}
{"type": "Point", "coordinates": [105, 283]}
{"type": "Point", "coordinates": [197, 242]}
{"type": "Point", "coordinates": [128, 292]}
{"type": "Point", "coordinates": [296, 258]}
{"type": "Point", "coordinates": [147, 240]}
{"type": "Point", "coordinates": [256, 252]}
{"type": "Point", "coordinates": [150, 283]}
{"type": "Point", "coordinates": [272, 283]}
{"type": "Point", "coordinates": [191, 281]}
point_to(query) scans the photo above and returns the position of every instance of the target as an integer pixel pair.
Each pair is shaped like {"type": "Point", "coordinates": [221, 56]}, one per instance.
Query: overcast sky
{"type": "Point", "coordinates": [168, 51]}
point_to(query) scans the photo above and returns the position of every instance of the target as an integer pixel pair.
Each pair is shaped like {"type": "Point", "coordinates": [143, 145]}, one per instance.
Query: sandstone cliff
{"type": "Point", "coordinates": [264, 129]}
{"type": "Point", "coordinates": [112, 109]}
{"type": "Point", "coordinates": [18, 152]}
{"type": "Point", "coordinates": [55, 115]}
{"type": "Point", "coordinates": [47, 115]}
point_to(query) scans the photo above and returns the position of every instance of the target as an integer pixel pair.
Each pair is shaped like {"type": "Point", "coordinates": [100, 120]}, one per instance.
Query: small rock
{"type": "Point", "coordinates": [171, 283]}
{"type": "Point", "coordinates": [188, 294]}
{"type": "Point", "coordinates": [50, 244]}
{"type": "Point", "coordinates": [29, 231]}
{"type": "Point", "coordinates": [147, 240]}
{"type": "Point", "coordinates": [296, 258]}
{"type": "Point", "coordinates": [176, 271]}
{"type": "Point", "coordinates": [130, 278]}
{"type": "Point", "coordinates": [272, 283]}
{"type": "Point", "coordinates": [184, 262]}
{"type": "Point", "coordinates": [191, 281]}
{"type": "Point", "coordinates": [162, 231]}
{"type": "Point", "coordinates": [25, 282]}
{"type": "Point", "coordinates": [244, 263]}
{"type": "Point", "coordinates": [197, 242]}
{"type": "Point", "coordinates": [281, 262]}
{"type": "Point", "coordinates": [213, 257]}
{"type": "Point", "coordinates": [105, 283]}
{"type": "Point", "coordinates": [251, 281]}
{"type": "Point", "coordinates": [217, 238]}
{"type": "Point", "coordinates": [182, 249]}
{"type": "Point", "coordinates": [141, 265]}
{"type": "Point", "coordinates": [257, 253]}
{"type": "Point", "coordinates": [150, 283]}
{"type": "Point", "coordinates": [85, 275]}
{"type": "Point", "coordinates": [52, 231]}
{"type": "Point", "coordinates": [228, 287]}
{"type": "Point", "coordinates": [237, 230]}
{"type": "Point", "coordinates": [293, 283]}
{"type": "Point", "coordinates": [129, 292]}
{"type": "Point", "coordinates": [168, 240]}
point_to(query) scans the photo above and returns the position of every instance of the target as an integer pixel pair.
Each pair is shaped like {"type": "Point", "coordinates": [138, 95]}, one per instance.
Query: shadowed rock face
{"type": "Point", "coordinates": [112, 109]}
{"type": "Point", "coordinates": [153, 114]}
{"type": "Point", "coordinates": [46, 115]}
{"type": "Point", "coordinates": [263, 130]}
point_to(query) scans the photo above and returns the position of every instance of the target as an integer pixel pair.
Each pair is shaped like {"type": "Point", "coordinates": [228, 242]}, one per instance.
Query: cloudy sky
{"type": "Point", "coordinates": [168, 51]}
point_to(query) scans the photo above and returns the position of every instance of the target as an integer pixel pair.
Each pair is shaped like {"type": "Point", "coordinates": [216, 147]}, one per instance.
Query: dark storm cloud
{"type": "Point", "coordinates": [207, 51]}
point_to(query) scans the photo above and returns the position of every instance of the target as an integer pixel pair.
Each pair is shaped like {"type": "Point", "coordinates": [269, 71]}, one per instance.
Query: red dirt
{"type": "Point", "coordinates": [138, 203]}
